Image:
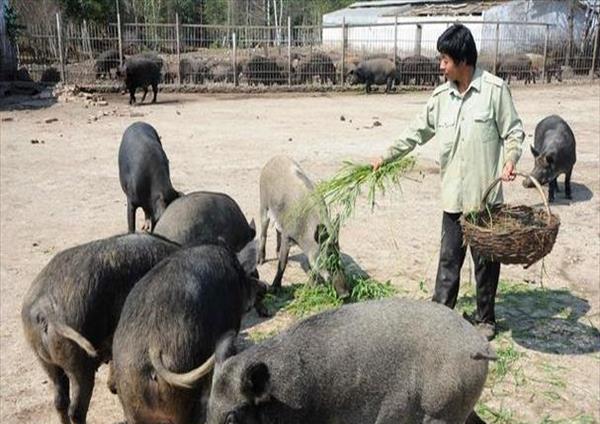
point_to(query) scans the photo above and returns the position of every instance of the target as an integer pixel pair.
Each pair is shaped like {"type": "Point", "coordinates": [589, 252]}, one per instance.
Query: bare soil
{"type": "Point", "coordinates": [60, 188]}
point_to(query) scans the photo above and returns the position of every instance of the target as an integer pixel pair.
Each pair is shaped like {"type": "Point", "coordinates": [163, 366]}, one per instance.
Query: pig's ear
{"type": "Point", "coordinates": [225, 347]}
{"type": "Point", "coordinates": [534, 152]}
{"type": "Point", "coordinates": [256, 382]}
{"type": "Point", "coordinates": [248, 257]}
{"type": "Point", "coordinates": [252, 225]}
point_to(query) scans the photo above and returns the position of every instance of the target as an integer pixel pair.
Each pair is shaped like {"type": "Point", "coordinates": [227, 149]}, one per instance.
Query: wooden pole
{"type": "Point", "coordinates": [343, 70]}
{"type": "Point", "coordinates": [119, 35]}
{"type": "Point", "coordinates": [495, 67]}
{"type": "Point", "coordinates": [289, 43]}
{"type": "Point", "coordinates": [545, 53]}
{"type": "Point", "coordinates": [60, 50]}
{"type": "Point", "coordinates": [395, 39]}
{"type": "Point", "coordinates": [234, 58]}
{"type": "Point", "coordinates": [177, 36]}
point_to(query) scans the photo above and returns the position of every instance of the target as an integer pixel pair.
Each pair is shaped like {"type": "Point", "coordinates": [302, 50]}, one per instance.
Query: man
{"type": "Point", "coordinates": [480, 135]}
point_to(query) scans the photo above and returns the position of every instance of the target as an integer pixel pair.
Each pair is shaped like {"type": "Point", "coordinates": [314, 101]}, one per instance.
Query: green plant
{"type": "Point", "coordinates": [13, 27]}
{"type": "Point", "coordinates": [340, 194]}
{"type": "Point", "coordinates": [308, 299]}
{"type": "Point", "coordinates": [313, 298]}
{"type": "Point", "coordinates": [507, 359]}
{"type": "Point", "coordinates": [258, 336]}
{"type": "Point", "coordinates": [498, 416]}
{"type": "Point", "coordinates": [344, 188]}
{"type": "Point", "coordinates": [367, 289]}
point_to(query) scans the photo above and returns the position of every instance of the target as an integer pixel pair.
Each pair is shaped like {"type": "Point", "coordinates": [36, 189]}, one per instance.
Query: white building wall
{"type": "Point", "coordinates": [380, 39]}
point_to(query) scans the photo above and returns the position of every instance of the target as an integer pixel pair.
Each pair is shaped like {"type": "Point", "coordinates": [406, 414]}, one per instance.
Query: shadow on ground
{"type": "Point", "coordinates": [544, 320]}
{"type": "Point", "coordinates": [579, 193]}
{"type": "Point", "coordinates": [23, 102]}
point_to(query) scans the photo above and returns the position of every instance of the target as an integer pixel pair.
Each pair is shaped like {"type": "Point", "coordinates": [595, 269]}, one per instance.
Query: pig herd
{"type": "Point", "coordinates": [146, 70]}
{"type": "Point", "coordinates": [163, 307]}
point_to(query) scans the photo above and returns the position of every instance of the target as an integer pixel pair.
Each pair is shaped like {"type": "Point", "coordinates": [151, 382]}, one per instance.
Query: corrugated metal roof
{"type": "Point", "coordinates": [387, 3]}
{"type": "Point", "coordinates": [367, 12]}
{"type": "Point", "coordinates": [460, 9]}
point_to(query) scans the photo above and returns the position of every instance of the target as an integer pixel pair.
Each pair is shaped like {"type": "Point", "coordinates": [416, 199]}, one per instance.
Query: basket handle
{"type": "Point", "coordinates": [535, 182]}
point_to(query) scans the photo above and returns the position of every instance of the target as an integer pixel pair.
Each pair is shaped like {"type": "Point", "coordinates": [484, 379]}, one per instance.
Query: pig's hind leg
{"type": "Point", "coordinates": [82, 386]}
{"type": "Point", "coordinates": [61, 390]}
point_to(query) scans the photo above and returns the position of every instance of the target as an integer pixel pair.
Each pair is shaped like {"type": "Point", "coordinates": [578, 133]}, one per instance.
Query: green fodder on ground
{"type": "Point", "coordinates": [301, 300]}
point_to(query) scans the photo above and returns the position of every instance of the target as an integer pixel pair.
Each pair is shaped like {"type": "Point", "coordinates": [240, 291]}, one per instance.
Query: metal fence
{"type": "Point", "coordinates": [91, 54]}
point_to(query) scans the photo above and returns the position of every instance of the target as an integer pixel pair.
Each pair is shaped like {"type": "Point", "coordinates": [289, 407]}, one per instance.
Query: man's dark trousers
{"type": "Point", "coordinates": [452, 256]}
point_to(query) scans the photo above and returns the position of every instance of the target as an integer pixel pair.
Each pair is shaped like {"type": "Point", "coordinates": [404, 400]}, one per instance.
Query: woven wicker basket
{"type": "Point", "coordinates": [530, 237]}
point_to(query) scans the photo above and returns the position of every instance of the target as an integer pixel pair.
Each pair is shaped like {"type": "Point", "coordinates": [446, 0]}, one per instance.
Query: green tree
{"type": "Point", "coordinates": [92, 10]}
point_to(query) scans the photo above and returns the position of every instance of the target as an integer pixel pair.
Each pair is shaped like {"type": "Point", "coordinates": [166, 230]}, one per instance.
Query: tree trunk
{"type": "Point", "coordinates": [570, 34]}
{"type": "Point", "coordinates": [8, 57]}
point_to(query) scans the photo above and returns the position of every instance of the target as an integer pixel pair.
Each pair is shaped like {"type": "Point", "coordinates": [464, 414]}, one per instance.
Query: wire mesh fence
{"type": "Point", "coordinates": [212, 55]}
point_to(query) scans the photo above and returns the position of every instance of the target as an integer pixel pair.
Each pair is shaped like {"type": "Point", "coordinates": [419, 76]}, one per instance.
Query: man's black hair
{"type": "Point", "coordinates": [458, 43]}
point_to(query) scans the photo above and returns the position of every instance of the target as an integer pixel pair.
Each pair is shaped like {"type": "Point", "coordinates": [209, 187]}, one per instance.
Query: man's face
{"type": "Point", "coordinates": [449, 67]}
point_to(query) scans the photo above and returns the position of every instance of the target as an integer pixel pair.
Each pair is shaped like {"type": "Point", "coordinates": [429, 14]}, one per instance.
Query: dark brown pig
{"type": "Point", "coordinates": [72, 308]}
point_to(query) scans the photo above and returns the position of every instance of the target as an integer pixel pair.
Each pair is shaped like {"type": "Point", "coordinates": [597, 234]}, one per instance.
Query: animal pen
{"type": "Point", "coordinates": [194, 55]}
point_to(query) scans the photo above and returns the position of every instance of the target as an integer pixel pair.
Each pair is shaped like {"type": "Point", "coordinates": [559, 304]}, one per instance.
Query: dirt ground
{"type": "Point", "coordinates": [60, 188]}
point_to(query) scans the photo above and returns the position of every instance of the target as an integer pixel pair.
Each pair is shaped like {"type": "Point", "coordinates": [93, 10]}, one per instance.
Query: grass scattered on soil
{"type": "Point", "coordinates": [302, 300]}
{"type": "Point", "coordinates": [496, 416]}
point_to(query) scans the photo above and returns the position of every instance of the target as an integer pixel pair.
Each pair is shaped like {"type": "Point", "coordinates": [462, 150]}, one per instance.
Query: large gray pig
{"type": "Point", "coordinates": [554, 152]}
{"type": "Point", "coordinates": [144, 174]}
{"type": "Point", "coordinates": [374, 72]}
{"type": "Point", "coordinates": [169, 328]}
{"type": "Point", "coordinates": [72, 308]}
{"type": "Point", "coordinates": [283, 188]}
{"type": "Point", "coordinates": [385, 362]}
{"type": "Point", "coordinates": [204, 217]}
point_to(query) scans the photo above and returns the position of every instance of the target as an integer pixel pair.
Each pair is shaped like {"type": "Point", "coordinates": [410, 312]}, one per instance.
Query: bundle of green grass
{"type": "Point", "coordinates": [338, 196]}
{"type": "Point", "coordinates": [342, 190]}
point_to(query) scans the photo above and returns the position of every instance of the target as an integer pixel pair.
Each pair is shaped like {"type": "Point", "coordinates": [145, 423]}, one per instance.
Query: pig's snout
{"type": "Point", "coordinates": [528, 183]}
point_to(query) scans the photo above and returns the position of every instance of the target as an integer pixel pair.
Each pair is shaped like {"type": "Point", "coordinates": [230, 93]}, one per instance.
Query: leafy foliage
{"type": "Point", "coordinates": [13, 28]}
{"type": "Point", "coordinates": [210, 12]}
{"type": "Point", "coordinates": [309, 298]}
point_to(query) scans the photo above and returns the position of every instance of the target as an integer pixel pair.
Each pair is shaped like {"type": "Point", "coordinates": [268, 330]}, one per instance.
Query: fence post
{"type": "Point", "coordinates": [545, 53]}
{"type": "Point", "coordinates": [289, 29]}
{"type": "Point", "coordinates": [418, 37]}
{"type": "Point", "coordinates": [86, 45]}
{"type": "Point", "coordinates": [60, 50]}
{"type": "Point", "coordinates": [119, 35]}
{"type": "Point", "coordinates": [344, 42]}
{"type": "Point", "coordinates": [495, 67]}
{"type": "Point", "coordinates": [395, 38]}
{"type": "Point", "coordinates": [234, 58]}
{"type": "Point", "coordinates": [178, 48]}
{"type": "Point", "coordinates": [595, 53]}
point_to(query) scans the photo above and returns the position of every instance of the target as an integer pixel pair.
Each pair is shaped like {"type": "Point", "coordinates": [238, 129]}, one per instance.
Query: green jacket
{"type": "Point", "coordinates": [477, 133]}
